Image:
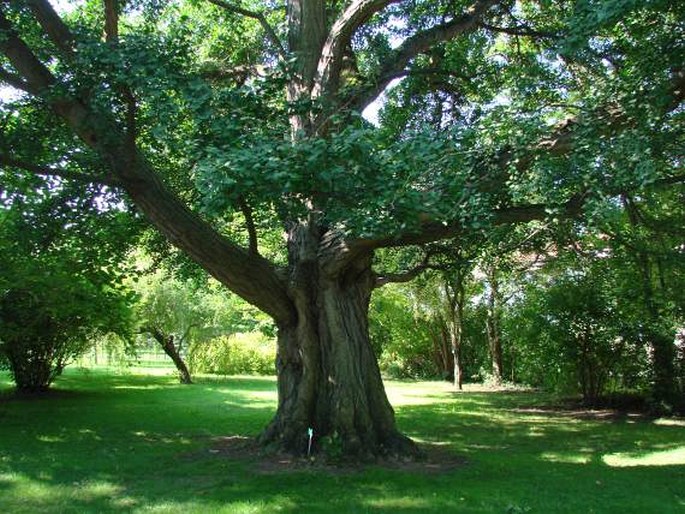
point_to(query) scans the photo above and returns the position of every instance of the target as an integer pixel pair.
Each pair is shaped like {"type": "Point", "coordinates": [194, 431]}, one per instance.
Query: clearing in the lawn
{"type": "Point", "coordinates": [110, 442]}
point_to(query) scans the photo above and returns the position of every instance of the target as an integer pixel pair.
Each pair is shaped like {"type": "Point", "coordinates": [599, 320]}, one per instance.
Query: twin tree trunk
{"type": "Point", "coordinates": [328, 375]}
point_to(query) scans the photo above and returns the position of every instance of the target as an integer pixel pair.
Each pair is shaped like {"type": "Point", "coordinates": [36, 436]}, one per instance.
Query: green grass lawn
{"type": "Point", "coordinates": [107, 442]}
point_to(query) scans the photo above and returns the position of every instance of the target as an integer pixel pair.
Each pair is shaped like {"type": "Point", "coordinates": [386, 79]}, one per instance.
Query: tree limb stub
{"type": "Point", "coordinates": [246, 209]}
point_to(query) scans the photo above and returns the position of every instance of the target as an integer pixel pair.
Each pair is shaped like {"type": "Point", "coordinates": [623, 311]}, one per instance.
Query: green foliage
{"type": "Point", "coordinates": [249, 353]}
{"type": "Point", "coordinates": [567, 335]}
{"type": "Point", "coordinates": [401, 338]}
{"type": "Point", "coordinates": [53, 297]}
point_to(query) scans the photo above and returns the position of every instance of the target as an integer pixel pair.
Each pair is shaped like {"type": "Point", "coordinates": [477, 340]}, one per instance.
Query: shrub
{"type": "Point", "coordinates": [50, 322]}
{"type": "Point", "coordinates": [249, 353]}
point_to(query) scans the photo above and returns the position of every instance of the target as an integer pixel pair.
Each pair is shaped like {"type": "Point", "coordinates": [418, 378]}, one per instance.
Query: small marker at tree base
{"type": "Point", "coordinates": [310, 433]}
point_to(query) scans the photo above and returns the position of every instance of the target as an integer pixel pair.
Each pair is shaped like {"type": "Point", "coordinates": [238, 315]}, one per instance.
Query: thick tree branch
{"type": "Point", "coordinates": [49, 171]}
{"type": "Point", "coordinates": [111, 20]}
{"type": "Point", "coordinates": [331, 60]}
{"type": "Point", "coordinates": [561, 141]}
{"type": "Point", "coordinates": [417, 44]}
{"type": "Point", "coordinates": [32, 71]}
{"type": "Point", "coordinates": [238, 74]}
{"type": "Point", "coordinates": [432, 231]}
{"type": "Point", "coordinates": [520, 31]}
{"type": "Point", "coordinates": [268, 29]}
{"type": "Point", "coordinates": [383, 279]}
{"type": "Point", "coordinates": [14, 80]}
{"type": "Point", "coordinates": [250, 276]}
{"type": "Point", "coordinates": [53, 25]}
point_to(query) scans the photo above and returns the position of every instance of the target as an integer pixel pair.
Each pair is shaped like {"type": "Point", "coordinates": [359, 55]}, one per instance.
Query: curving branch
{"type": "Point", "coordinates": [432, 231]}
{"type": "Point", "coordinates": [50, 171]}
{"type": "Point", "coordinates": [268, 29]}
{"type": "Point", "coordinates": [32, 71]}
{"type": "Point", "coordinates": [248, 275]}
{"type": "Point", "coordinates": [520, 31]}
{"type": "Point", "coordinates": [395, 66]}
{"type": "Point", "coordinates": [559, 142]}
{"type": "Point", "coordinates": [383, 279]}
{"type": "Point", "coordinates": [331, 60]}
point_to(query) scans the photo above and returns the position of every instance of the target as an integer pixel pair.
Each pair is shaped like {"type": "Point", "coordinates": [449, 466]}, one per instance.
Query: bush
{"type": "Point", "coordinates": [249, 353]}
{"type": "Point", "coordinates": [50, 321]}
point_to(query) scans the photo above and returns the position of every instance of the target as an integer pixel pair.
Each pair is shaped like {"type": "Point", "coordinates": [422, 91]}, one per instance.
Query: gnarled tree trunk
{"type": "Point", "coordinates": [329, 378]}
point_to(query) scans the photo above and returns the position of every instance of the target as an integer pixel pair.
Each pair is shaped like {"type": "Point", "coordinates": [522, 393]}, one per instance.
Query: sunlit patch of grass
{"type": "Point", "coordinates": [241, 507]}
{"type": "Point", "coordinates": [674, 457]}
{"type": "Point", "coordinates": [667, 422]}
{"type": "Point", "coordinates": [50, 439]}
{"type": "Point", "coordinates": [566, 458]}
{"type": "Point", "coordinates": [399, 503]}
{"type": "Point", "coordinates": [140, 387]}
{"type": "Point", "coordinates": [89, 490]}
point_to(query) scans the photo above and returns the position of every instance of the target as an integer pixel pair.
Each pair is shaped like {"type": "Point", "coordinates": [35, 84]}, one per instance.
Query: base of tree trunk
{"type": "Point", "coordinates": [336, 448]}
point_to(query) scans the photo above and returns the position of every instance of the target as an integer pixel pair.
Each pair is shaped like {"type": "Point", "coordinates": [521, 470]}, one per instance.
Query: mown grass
{"type": "Point", "coordinates": [106, 442]}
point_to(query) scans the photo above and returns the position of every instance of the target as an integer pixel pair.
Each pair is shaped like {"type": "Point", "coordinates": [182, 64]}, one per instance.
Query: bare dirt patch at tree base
{"type": "Point", "coordinates": [434, 459]}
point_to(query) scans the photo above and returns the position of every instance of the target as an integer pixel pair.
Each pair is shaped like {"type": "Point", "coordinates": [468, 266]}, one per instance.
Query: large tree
{"type": "Point", "coordinates": [208, 112]}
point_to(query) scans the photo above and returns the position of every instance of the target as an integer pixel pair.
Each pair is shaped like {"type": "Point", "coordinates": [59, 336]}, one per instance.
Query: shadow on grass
{"type": "Point", "coordinates": [146, 444]}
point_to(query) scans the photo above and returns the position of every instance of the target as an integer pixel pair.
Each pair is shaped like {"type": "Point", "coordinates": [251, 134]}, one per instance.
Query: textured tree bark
{"type": "Point", "coordinates": [329, 378]}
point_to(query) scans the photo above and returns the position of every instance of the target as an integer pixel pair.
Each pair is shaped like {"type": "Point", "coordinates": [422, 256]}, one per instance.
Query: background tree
{"type": "Point", "coordinates": [170, 311]}
{"type": "Point", "coordinates": [543, 95]}
{"type": "Point", "coordinates": [180, 313]}
{"type": "Point", "coordinates": [645, 251]}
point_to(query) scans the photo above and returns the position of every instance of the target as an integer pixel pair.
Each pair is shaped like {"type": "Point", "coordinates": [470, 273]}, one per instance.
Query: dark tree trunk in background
{"type": "Point", "coordinates": [32, 374]}
{"type": "Point", "coordinates": [166, 341]}
{"type": "Point", "coordinates": [660, 340]}
{"type": "Point", "coordinates": [329, 378]}
{"type": "Point", "coordinates": [442, 348]}
{"type": "Point", "coordinates": [458, 361]}
{"type": "Point", "coordinates": [492, 324]}
{"type": "Point", "coordinates": [455, 294]}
